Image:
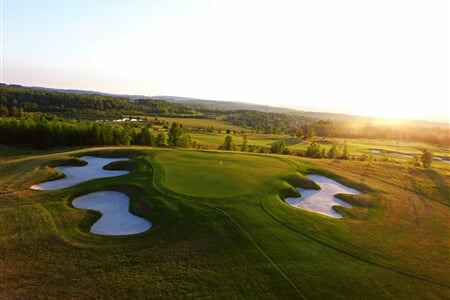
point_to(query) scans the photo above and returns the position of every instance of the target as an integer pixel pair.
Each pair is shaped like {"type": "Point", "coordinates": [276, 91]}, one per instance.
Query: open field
{"type": "Point", "coordinates": [203, 123]}
{"type": "Point", "coordinates": [393, 150]}
{"type": "Point", "coordinates": [360, 145]}
{"type": "Point", "coordinates": [221, 230]}
{"type": "Point", "coordinates": [213, 141]}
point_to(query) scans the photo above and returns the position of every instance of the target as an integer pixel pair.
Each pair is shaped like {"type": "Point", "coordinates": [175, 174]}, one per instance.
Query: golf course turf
{"type": "Point", "coordinates": [221, 230]}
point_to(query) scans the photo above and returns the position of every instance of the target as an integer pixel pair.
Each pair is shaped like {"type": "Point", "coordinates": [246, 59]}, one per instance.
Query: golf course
{"type": "Point", "coordinates": [221, 229]}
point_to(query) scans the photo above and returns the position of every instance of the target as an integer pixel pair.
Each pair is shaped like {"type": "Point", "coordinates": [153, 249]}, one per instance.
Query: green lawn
{"type": "Point", "coordinates": [221, 231]}
{"type": "Point", "coordinates": [209, 174]}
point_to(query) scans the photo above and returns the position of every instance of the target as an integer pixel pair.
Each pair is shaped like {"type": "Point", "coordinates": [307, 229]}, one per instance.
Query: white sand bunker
{"type": "Point", "coordinates": [323, 200]}
{"type": "Point", "coordinates": [74, 175]}
{"type": "Point", "coordinates": [116, 218]}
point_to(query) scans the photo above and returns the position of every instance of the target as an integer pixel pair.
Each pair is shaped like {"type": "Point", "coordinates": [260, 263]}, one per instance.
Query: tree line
{"type": "Point", "coordinates": [45, 133]}
{"type": "Point", "coordinates": [17, 101]}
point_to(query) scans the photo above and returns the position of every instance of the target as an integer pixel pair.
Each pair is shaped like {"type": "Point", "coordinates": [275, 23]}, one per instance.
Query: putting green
{"type": "Point", "coordinates": [216, 174]}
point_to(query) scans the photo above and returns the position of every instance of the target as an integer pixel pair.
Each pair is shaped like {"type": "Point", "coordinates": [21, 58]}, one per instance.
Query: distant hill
{"type": "Point", "coordinates": [74, 91]}
{"type": "Point", "coordinates": [215, 104]}
{"type": "Point", "coordinates": [313, 115]}
{"type": "Point", "coordinates": [236, 105]}
{"type": "Point", "coordinates": [225, 105]}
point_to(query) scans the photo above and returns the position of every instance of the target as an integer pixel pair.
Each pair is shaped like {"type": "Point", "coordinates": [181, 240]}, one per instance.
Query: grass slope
{"type": "Point", "coordinates": [223, 231]}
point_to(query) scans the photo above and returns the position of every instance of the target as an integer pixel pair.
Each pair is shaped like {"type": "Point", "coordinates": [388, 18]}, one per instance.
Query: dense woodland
{"type": "Point", "coordinates": [44, 133]}
{"type": "Point", "coordinates": [59, 118]}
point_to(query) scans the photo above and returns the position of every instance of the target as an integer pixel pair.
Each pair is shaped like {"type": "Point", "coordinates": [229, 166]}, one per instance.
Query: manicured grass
{"type": "Point", "coordinates": [223, 232]}
{"type": "Point", "coordinates": [216, 174]}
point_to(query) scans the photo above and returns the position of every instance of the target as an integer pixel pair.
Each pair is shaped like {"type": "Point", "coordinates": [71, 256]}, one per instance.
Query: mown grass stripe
{"type": "Point", "coordinates": [255, 244]}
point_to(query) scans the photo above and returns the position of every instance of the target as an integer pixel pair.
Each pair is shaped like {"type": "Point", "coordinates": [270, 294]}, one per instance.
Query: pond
{"type": "Point", "coordinates": [322, 201]}
{"type": "Point", "coordinates": [77, 174]}
{"type": "Point", "coordinates": [378, 151]}
{"type": "Point", "coordinates": [116, 218]}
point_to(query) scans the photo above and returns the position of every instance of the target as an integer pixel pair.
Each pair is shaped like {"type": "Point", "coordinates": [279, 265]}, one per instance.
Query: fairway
{"type": "Point", "coordinates": [221, 230]}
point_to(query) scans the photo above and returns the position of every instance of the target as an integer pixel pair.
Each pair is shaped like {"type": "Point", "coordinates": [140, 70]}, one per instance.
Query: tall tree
{"type": "Point", "coordinates": [175, 134]}
{"type": "Point", "coordinates": [345, 154]}
{"type": "Point", "coordinates": [311, 132]}
{"type": "Point", "coordinates": [144, 137]}
{"type": "Point", "coordinates": [332, 153]}
{"type": "Point", "coordinates": [228, 144]}
{"type": "Point", "coordinates": [426, 158]}
{"type": "Point", "coordinates": [161, 139]}
{"type": "Point", "coordinates": [279, 147]}
{"type": "Point", "coordinates": [244, 146]}
{"type": "Point", "coordinates": [299, 133]}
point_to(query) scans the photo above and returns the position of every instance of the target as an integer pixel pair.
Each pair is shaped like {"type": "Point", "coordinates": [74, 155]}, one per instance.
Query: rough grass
{"type": "Point", "coordinates": [239, 242]}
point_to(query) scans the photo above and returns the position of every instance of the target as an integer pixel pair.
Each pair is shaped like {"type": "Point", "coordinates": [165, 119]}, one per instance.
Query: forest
{"type": "Point", "coordinates": [25, 112]}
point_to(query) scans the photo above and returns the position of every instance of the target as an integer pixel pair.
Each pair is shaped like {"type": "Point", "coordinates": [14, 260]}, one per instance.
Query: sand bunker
{"type": "Point", "coordinates": [74, 175]}
{"type": "Point", "coordinates": [323, 200]}
{"type": "Point", "coordinates": [116, 218]}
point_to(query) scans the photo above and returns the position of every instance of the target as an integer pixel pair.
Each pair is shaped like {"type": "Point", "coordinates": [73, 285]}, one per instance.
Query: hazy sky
{"type": "Point", "coordinates": [388, 58]}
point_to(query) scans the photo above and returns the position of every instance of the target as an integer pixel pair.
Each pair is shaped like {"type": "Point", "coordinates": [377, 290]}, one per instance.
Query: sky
{"type": "Point", "coordinates": [382, 58]}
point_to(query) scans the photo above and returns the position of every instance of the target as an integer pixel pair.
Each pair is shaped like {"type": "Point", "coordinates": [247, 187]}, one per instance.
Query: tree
{"type": "Point", "coordinates": [332, 153]}
{"type": "Point", "coordinates": [244, 147]}
{"type": "Point", "coordinates": [16, 111]}
{"type": "Point", "coordinates": [4, 111]}
{"type": "Point", "coordinates": [309, 131]}
{"type": "Point", "coordinates": [228, 144]}
{"type": "Point", "coordinates": [175, 133]}
{"type": "Point", "coordinates": [185, 141]}
{"type": "Point", "coordinates": [144, 137]}
{"type": "Point", "coordinates": [161, 139]}
{"type": "Point", "coordinates": [313, 150]}
{"type": "Point", "coordinates": [426, 158]}
{"type": "Point", "coordinates": [345, 154]}
{"type": "Point", "coordinates": [299, 133]}
{"type": "Point", "coordinates": [278, 147]}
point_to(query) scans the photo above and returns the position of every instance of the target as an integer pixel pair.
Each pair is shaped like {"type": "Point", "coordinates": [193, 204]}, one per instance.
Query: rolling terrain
{"type": "Point", "coordinates": [222, 230]}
